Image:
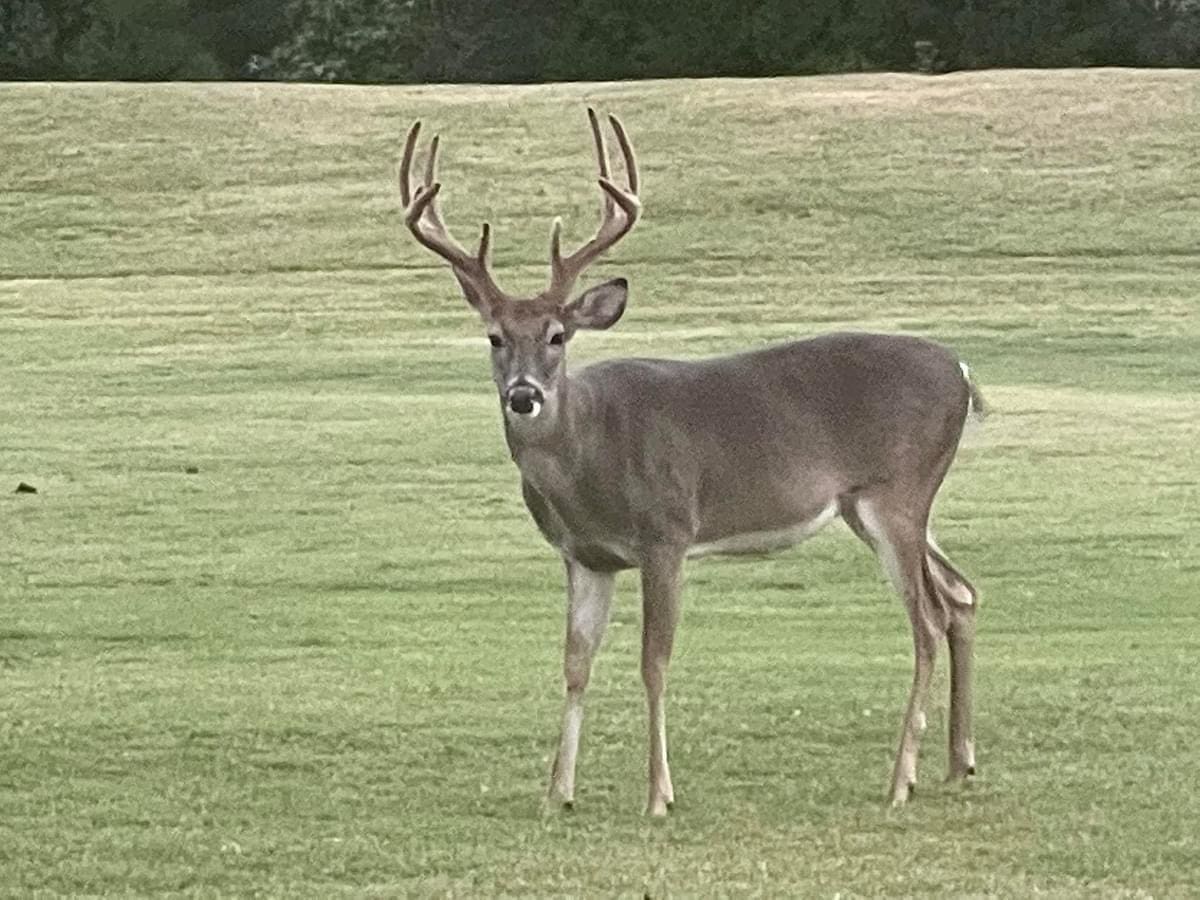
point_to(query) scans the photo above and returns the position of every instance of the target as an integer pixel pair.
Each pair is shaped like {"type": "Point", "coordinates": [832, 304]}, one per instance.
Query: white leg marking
{"type": "Point", "coordinates": [589, 601]}
{"type": "Point", "coordinates": [883, 546]}
{"type": "Point", "coordinates": [956, 590]}
{"type": "Point", "coordinates": [931, 542]}
{"type": "Point", "coordinates": [662, 794]}
{"type": "Point", "coordinates": [568, 749]}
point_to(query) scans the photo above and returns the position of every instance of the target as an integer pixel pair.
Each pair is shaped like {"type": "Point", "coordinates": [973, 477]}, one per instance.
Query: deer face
{"type": "Point", "coordinates": [529, 342]}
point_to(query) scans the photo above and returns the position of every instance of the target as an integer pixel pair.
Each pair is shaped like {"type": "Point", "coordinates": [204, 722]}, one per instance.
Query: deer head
{"type": "Point", "coordinates": [529, 335]}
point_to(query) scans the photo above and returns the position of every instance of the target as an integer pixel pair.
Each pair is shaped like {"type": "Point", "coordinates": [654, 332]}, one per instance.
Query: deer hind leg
{"type": "Point", "coordinates": [589, 600]}
{"type": "Point", "coordinates": [661, 587]}
{"type": "Point", "coordinates": [899, 542]}
{"type": "Point", "coordinates": [960, 600]}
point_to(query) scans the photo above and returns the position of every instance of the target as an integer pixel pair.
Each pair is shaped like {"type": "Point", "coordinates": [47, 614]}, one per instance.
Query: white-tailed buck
{"type": "Point", "coordinates": [641, 463]}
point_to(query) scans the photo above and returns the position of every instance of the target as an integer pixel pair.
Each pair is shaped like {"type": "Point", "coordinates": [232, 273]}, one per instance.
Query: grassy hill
{"type": "Point", "coordinates": [325, 661]}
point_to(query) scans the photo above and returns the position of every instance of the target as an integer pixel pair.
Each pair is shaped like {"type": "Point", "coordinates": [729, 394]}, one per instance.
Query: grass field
{"type": "Point", "coordinates": [326, 661]}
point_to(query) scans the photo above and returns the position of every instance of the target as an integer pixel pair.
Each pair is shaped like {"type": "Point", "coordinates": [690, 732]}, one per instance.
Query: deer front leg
{"type": "Point", "coordinates": [589, 599]}
{"type": "Point", "coordinates": [661, 585]}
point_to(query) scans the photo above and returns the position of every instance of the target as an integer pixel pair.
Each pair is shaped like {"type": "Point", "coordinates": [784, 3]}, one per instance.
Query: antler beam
{"type": "Point", "coordinates": [425, 222]}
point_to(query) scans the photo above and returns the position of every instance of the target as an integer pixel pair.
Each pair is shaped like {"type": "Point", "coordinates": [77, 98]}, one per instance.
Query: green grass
{"type": "Point", "coordinates": [327, 663]}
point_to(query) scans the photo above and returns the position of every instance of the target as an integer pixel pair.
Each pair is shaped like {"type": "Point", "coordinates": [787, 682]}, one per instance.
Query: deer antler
{"type": "Point", "coordinates": [620, 210]}
{"type": "Point", "coordinates": [425, 222]}
{"type": "Point", "coordinates": [614, 225]}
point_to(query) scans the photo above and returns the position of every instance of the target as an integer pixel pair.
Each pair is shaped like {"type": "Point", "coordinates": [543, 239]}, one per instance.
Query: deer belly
{"type": "Point", "coordinates": [601, 556]}
{"type": "Point", "coordinates": [767, 540]}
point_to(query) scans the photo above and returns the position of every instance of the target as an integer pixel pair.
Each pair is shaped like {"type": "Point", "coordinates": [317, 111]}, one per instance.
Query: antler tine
{"type": "Point", "coordinates": [556, 239]}
{"type": "Point", "coordinates": [431, 162]}
{"type": "Point", "coordinates": [598, 137]}
{"type": "Point", "coordinates": [433, 214]}
{"type": "Point", "coordinates": [601, 156]}
{"type": "Point", "coordinates": [485, 243]}
{"type": "Point", "coordinates": [410, 145]}
{"type": "Point", "coordinates": [423, 219]}
{"type": "Point", "coordinates": [613, 225]}
{"type": "Point", "coordinates": [631, 169]}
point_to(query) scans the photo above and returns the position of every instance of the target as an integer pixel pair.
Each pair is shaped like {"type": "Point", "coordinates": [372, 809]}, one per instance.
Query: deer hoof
{"type": "Point", "coordinates": [960, 773]}
{"type": "Point", "coordinates": [658, 808]}
{"type": "Point", "coordinates": [902, 795]}
{"type": "Point", "coordinates": [556, 801]}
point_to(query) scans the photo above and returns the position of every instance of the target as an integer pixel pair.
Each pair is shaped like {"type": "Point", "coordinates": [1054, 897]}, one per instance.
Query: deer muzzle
{"type": "Point", "coordinates": [525, 399]}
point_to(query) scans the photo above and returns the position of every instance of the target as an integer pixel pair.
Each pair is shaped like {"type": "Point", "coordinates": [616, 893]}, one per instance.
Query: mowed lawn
{"type": "Point", "coordinates": [276, 621]}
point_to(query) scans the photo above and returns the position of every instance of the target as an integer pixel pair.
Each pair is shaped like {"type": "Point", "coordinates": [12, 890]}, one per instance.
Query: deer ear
{"type": "Point", "coordinates": [599, 307]}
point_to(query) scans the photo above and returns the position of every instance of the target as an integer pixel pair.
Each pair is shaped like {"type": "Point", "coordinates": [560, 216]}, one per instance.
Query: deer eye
{"type": "Point", "coordinates": [495, 340]}
{"type": "Point", "coordinates": [557, 338]}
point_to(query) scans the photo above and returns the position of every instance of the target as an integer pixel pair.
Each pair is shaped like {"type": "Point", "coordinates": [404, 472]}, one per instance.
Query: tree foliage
{"type": "Point", "coordinates": [37, 37]}
{"type": "Point", "coordinates": [537, 40]}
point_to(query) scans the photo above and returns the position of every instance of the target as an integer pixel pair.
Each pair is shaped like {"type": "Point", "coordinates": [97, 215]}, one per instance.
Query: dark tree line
{"type": "Point", "coordinates": [544, 40]}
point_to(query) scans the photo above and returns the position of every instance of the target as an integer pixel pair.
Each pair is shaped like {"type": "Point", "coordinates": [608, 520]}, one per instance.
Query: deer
{"type": "Point", "coordinates": [643, 463]}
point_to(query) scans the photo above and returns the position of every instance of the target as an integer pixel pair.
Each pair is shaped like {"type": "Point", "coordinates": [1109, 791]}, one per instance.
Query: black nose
{"type": "Point", "coordinates": [522, 397]}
